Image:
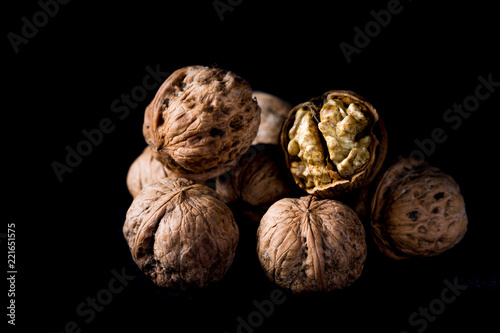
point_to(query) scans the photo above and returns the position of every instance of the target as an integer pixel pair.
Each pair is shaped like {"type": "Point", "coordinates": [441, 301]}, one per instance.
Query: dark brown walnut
{"type": "Point", "coordinates": [258, 179]}
{"type": "Point", "coordinates": [334, 143]}
{"type": "Point", "coordinates": [311, 244]}
{"type": "Point", "coordinates": [201, 121]}
{"type": "Point", "coordinates": [180, 234]}
{"type": "Point", "coordinates": [274, 112]}
{"type": "Point", "coordinates": [360, 202]}
{"type": "Point", "coordinates": [417, 210]}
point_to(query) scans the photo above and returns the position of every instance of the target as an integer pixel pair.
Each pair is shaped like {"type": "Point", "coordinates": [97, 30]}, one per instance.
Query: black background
{"type": "Point", "coordinates": [64, 80]}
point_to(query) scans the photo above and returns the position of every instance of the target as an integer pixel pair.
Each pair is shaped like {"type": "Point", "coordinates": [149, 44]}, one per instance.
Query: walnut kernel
{"type": "Point", "coordinates": [334, 143]}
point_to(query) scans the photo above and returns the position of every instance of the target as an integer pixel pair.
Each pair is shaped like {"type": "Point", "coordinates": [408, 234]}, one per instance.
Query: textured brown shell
{"type": "Point", "coordinates": [274, 112]}
{"type": "Point", "coordinates": [417, 211]}
{"type": "Point", "coordinates": [180, 234]}
{"type": "Point", "coordinates": [258, 179]}
{"type": "Point", "coordinates": [311, 244]}
{"type": "Point", "coordinates": [377, 154]}
{"type": "Point", "coordinates": [201, 121]}
{"type": "Point", "coordinates": [144, 171]}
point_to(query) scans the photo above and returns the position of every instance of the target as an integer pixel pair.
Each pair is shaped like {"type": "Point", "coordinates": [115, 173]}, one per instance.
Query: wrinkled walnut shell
{"type": "Point", "coordinates": [144, 171]}
{"type": "Point", "coordinates": [334, 184]}
{"type": "Point", "coordinates": [311, 244]}
{"type": "Point", "coordinates": [274, 112]}
{"type": "Point", "coordinates": [258, 179]}
{"type": "Point", "coordinates": [180, 234]}
{"type": "Point", "coordinates": [417, 210]}
{"type": "Point", "coordinates": [201, 121]}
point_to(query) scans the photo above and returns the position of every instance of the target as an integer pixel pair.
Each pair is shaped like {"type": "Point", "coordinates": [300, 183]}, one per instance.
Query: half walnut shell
{"type": "Point", "coordinates": [334, 143]}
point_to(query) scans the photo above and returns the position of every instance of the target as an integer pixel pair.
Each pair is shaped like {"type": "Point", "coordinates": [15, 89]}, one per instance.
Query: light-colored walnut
{"type": "Point", "coordinates": [201, 121]}
{"type": "Point", "coordinates": [311, 244]}
{"type": "Point", "coordinates": [417, 210]}
{"type": "Point", "coordinates": [181, 234]}
{"type": "Point", "coordinates": [274, 112]}
{"type": "Point", "coordinates": [144, 171]}
{"type": "Point", "coordinates": [334, 143]}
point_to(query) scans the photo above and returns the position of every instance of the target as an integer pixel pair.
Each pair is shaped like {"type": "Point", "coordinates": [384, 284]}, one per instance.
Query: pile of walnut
{"type": "Point", "coordinates": [212, 141]}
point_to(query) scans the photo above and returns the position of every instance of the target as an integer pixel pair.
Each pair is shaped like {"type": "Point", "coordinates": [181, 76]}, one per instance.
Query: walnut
{"type": "Point", "coordinates": [201, 121]}
{"type": "Point", "coordinates": [258, 179]}
{"type": "Point", "coordinates": [311, 244]}
{"type": "Point", "coordinates": [274, 112]}
{"type": "Point", "coordinates": [334, 143]}
{"type": "Point", "coordinates": [417, 210]}
{"type": "Point", "coordinates": [180, 234]}
{"type": "Point", "coordinates": [144, 171]}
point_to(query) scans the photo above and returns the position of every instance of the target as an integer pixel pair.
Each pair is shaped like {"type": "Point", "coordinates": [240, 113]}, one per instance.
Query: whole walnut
{"type": "Point", "coordinates": [274, 112]}
{"type": "Point", "coordinates": [180, 234]}
{"type": "Point", "coordinates": [417, 210]}
{"type": "Point", "coordinates": [144, 171]}
{"type": "Point", "coordinates": [258, 179]}
{"type": "Point", "coordinates": [201, 121]}
{"type": "Point", "coordinates": [311, 244]}
{"type": "Point", "coordinates": [334, 143]}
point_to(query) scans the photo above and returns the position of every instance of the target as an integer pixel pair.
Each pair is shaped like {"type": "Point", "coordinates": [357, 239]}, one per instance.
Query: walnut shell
{"type": "Point", "coordinates": [274, 112]}
{"type": "Point", "coordinates": [334, 143]}
{"type": "Point", "coordinates": [311, 244]}
{"type": "Point", "coordinates": [144, 171]}
{"type": "Point", "coordinates": [201, 121]}
{"type": "Point", "coordinates": [180, 234]}
{"type": "Point", "coordinates": [417, 210]}
{"type": "Point", "coordinates": [258, 179]}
